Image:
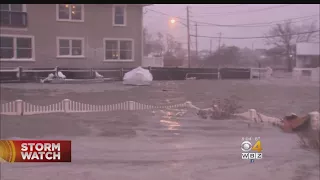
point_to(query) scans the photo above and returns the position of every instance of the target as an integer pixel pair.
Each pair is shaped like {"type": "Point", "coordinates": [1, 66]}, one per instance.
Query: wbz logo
{"type": "Point", "coordinates": [247, 147]}
{"type": "Point", "coordinates": [251, 156]}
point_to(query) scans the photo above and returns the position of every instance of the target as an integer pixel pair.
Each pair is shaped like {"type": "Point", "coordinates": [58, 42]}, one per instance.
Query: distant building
{"type": "Point", "coordinates": [307, 55]}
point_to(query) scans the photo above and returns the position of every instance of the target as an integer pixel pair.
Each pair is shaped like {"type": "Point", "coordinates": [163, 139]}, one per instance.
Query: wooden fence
{"type": "Point", "coordinates": [20, 74]}
{"type": "Point", "coordinates": [19, 107]}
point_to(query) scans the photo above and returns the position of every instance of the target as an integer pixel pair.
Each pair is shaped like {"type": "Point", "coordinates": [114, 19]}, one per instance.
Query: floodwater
{"type": "Point", "coordinates": [176, 148]}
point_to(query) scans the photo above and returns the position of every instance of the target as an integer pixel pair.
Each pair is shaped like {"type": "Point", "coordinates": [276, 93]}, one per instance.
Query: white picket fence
{"type": "Point", "coordinates": [19, 107]}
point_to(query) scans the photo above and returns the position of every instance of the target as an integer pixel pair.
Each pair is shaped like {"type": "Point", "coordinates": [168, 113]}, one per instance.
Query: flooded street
{"type": "Point", "coordinates": [142, 145]}
{"type": "Point", "coordinates": [174, 148]}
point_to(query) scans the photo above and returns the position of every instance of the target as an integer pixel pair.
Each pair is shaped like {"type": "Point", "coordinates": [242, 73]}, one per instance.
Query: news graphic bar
{"type": "Point", "coordinates": [35, 151]}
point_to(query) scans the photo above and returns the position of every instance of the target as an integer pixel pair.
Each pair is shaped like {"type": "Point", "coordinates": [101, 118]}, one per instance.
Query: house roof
{"type": "Point", "coordinates": [312, 49]}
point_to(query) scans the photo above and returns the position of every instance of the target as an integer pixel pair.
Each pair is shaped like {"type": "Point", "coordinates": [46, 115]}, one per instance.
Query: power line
{"type": "Point", "coordinates": [257, 37]}
{"type": "Point", "coordinates": [215, 7]}
{"type": "Point", "coordinates": [262, 25]}
{"type": "Point", "coordinates": [230, 25]}
{"type": "Point", "coordinates": [249, 11]}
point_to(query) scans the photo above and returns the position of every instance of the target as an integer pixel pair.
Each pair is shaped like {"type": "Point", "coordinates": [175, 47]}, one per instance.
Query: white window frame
{"type": "Point", "coordinates": [124, 14]}
{"type": "Point", "coordinates": [118, 39]}
{"type": "Point", "coordinates": [24, 9]}
{"type": "Point", "coordinates": [70, 49]}
{"type": "Point", "coordinates": [70, 20]}
{"type": "Point", "coordinates": [15, 36]}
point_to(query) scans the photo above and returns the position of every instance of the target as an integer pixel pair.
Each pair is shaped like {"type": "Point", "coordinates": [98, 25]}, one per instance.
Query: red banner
{"type": "Point", "coordinates": [35, 151]}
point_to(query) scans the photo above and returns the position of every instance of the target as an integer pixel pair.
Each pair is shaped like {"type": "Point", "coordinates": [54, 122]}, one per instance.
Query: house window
{"type": "Point", "coordinates": [16, 48]}
{"type": "Point", "coordinates": [70, 12]}
{"type": "Point", "coordinates": [119, 15]}
{"type": "Point", "coordinates": [70, 47]}
{"type": "Point", "coordinates": [13, 15]}
{"type": "Point", "coordinates": [121, 50]}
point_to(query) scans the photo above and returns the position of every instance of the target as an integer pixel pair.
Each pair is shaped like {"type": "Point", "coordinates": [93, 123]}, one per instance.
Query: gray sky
{"type": "Point", "coordinates": [226, 14]}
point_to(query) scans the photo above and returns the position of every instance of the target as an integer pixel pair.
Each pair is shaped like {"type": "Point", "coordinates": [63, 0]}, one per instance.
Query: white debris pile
{"type": "Point", "coordinates": [97, 75]}
{"type": "Point", "coordinates": [47, 79]}
{"type": "Point", "coordinates": [138, 76]}
{"type": "Point", "coordinates": [60, 75]}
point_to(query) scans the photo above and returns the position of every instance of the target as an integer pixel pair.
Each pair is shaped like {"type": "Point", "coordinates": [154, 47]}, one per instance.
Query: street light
{"type": "Point", "coordinates": [173, 21]}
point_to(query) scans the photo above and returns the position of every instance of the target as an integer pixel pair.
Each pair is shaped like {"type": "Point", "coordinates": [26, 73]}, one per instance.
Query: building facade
{"type": "Point", "coordinates": [71, 35]}
{"type": "Point", "coordinates": [307, 55]}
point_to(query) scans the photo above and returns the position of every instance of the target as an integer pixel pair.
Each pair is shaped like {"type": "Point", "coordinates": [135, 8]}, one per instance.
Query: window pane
{"type": "Point", "coordinates": [24, 53]}
{"type": "Point", "coordinates": [76, 51]}
{"type": "Point", "coordinates": [24, 42]}
{"type": "Point", "coordinates": [4, 17]}
{"type": "Point", "coordinates": [125, 54]}
{"type": "Point", "coordinates": [16, 7]}
{"type": "Point", "coordinates": [119, 10]}
{"type": "Point", "coordinates": [64, 7]}
{"type": "Point", "coordinates": [17, 19]}
{"type": "Point", "coordinates": [64, 51]}
{"type": "Point", "coordinates": [76, 12]}
{"type": "Point", "coordinates": [64, 14]}
{"type": "Point", "coordinates": [111, 44]}
{"type": "Point", "coordinates": [64, 43]}
{"type": "Point", "coordinates": [111, 49]}
{"type": "Point", "coordinates": [4, 7]}
{"type": "Point", "coordinates": [76, 43]}
{"type": "Point", "coordinates": [111, 54]}
{"type": "Point", "coordinates": [118, 20]}
{"type": "Point", "coordinates": [76, 15]}
{"type": "Point", "coordinates": [6, 42]}
{"type": "Point", "coordinates": [6, 53]}
{"type": "Point", "coordinates": [119, 15]}
{"type": "Point", "coordinates": [125, 45]}
{"type": "Point", "coordinates": [64, 11]}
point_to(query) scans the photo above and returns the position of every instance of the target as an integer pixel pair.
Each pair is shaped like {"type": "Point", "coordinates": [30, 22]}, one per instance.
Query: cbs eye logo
{"type": "Point", "coordinates": [246, 146]}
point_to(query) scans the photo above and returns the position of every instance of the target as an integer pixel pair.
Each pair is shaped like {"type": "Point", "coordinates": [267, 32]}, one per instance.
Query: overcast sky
{"type": "Point", "coordinates": [226, 14]}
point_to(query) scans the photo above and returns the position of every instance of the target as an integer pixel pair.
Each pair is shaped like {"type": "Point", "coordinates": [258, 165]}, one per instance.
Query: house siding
{"type": "Point", "coordinates": [97, 25]}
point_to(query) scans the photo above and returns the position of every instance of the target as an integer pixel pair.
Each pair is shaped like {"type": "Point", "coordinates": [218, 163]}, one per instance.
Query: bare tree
{"type": "Point", "coordinates": [287, 35]}
{"type": "Point", "coordinates": [173, 46]}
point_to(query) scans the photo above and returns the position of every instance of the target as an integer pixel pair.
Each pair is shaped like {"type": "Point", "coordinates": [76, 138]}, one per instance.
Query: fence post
{"type": "Point", "coordinates": [252, 114]}
{"type": "Point", "coordinates": [91, 73]}
{"type": "Point", "coordinates": [66, 105]}
{"type": "Point", "coordinates": [20, 73]}
{"type": "Point", "coordinates": [131, 105]}
{"type": "Point", "coordinates": [314, 118]}
{"type": "Point", "coordinates": [19, 107]}
{"type": "Point", "coordinates": [121, 73]}
{"type": "Point", "coordinates": [56, 70]}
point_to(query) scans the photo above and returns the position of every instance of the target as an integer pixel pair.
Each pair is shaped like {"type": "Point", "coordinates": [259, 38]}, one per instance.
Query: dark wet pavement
{"type": "Point", "coordinates": [175, 148]}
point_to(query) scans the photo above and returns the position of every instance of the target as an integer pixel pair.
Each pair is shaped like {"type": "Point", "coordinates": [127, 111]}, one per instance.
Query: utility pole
{"type": "Point", "coordinates": [219, 39]}
{"type": "Point", "coordinates": [210, 46]}
{"type": "Point", "coordinates": [188, 33]}
{"type": "Point", "coordinates": [196, 40]}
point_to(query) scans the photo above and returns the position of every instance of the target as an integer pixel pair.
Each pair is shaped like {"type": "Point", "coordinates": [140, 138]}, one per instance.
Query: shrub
{"type": "Point", "coordinates": [224, 109]}
{"type": "Point", "coordinates": [309, 139]}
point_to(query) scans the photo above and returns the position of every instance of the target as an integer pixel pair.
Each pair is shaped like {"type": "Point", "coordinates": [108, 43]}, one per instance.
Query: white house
{"type": "Point", "coordinates": [307, 55]}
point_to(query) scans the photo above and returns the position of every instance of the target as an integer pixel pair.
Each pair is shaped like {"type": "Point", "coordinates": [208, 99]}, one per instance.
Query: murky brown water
{"type": "Point", "coordinates": [142, 146]}
{"type": "Point", "coordinates": [172, 148]}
